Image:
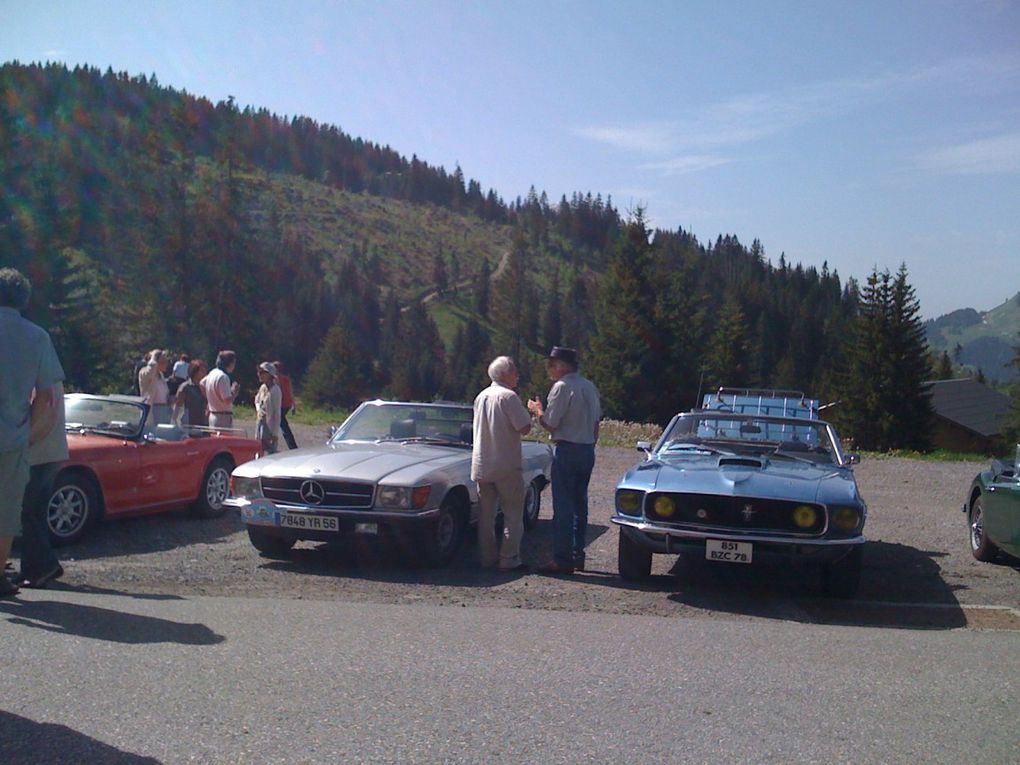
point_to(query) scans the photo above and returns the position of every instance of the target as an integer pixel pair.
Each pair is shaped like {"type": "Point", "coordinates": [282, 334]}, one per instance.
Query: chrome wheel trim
{"type": "Point", "coordinates": [216, 487]}
{"type": "Point", "coordinates": [977, 525]}
{"type": "Point", "coordinates": [446, 529]}
{"type": "Point", "coordinates": [67, 511]}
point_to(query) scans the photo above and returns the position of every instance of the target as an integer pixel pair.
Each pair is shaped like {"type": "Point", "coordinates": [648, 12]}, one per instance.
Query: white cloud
{"type": "Point", "coordinates": [648, 138]}
{"type": "Point", "coordinates": [691, 163]}
{"type": "Point", "coordinates": [55, 54]}
{"type": "Point", "coordinates": [752, 117]}
{"type": "Point", "coordinates": [986, 156]}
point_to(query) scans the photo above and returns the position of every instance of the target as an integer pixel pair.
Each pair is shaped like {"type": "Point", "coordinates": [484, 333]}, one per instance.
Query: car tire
{"type": "Point", "coordinates": [981, 546]}
{"type": "Point", "coordinates": [633, 560]}
{"type": "Point", "coordinates": [442, 536]}
{"type": "Point", "coordinates": [214, 489]}
{"type": "Point", "coordinates": [532, 504]}
{"type": "Point", "coordinates": [268, 543]}
{"type": "Point", "coordinates": [73, 508]}
{"type": "Point", "coordinates": [842, 578]}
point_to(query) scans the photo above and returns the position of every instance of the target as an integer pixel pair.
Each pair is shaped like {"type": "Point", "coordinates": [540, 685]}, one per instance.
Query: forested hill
{"type": "Point", "coordinates": [148, 217]}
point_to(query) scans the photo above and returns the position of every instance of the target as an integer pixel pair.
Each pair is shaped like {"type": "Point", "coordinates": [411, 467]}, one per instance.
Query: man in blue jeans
{"type": "Point", "coordinates": [572, 418]}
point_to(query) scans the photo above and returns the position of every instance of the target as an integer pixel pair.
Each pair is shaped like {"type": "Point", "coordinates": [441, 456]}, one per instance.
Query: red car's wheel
{"type": "Point", "coordinates": [72, 509]}
{"type": "Point", "coordinates": [215, 488]}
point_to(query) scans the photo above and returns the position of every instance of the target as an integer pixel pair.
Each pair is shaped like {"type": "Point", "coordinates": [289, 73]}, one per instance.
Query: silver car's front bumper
{"type": "Point", "coordinates": [250, 513]}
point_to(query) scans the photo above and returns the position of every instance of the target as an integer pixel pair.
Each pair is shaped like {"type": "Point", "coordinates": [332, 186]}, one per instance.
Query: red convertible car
{"type": "Point", "coordinates": [120, 466]}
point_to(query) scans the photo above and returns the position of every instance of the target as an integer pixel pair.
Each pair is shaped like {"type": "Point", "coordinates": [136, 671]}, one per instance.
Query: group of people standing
{"type": "Point", "coordinates": [571, 417]}
{"type": "Point", "coordinates": [194, 395]}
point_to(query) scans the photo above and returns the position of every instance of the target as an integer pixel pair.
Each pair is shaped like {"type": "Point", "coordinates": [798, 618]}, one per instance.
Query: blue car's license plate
{"type": "Point", "coordinates": [730, 552]}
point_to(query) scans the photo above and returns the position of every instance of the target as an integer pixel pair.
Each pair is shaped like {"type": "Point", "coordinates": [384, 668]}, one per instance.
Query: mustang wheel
{"type": "Point", "coordinates": [72, 509]}
{"type": "Point", "coordinates": [268, 543]}
{"type": "Point", "coordinates": [532, 504]}
{"type": "Point", "coordinates": [442, 537]}
{"type": "Point", "coordinates": [841, 579]}
{"type": "Point", "coordinates": [215, 487]}
{"type": "Point", "coordinates": [634, 561]}
{"type": "Point", "coordinates": [980, 545]}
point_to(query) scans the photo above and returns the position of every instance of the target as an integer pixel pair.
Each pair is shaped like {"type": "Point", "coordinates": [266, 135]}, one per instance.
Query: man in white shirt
{"type": "Point", "coordinates": [500, 420]}
{"type": "Point", "coordinates": [220, 392]}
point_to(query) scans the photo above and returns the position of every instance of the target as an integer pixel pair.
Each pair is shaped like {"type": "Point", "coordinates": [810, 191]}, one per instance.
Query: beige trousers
{"type": "Point", "coordinates": [508, 493]}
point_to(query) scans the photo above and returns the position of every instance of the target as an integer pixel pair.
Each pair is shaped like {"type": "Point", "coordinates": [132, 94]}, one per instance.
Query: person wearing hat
{"type": "Point", "coordinates": [267, 408]}
{"type": "Point", "coordinates": [572, 418]}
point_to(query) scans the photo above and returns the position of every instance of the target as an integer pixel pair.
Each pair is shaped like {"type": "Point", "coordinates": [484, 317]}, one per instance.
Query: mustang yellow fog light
{"type": "Point", "coordinates": [629, 502]}
{"type": "Point", "coordinates": [664, 506]}
{"type": "Point", "coordinates": [846, 518]}
{"type": "Point", "coordinates": [805, 516]}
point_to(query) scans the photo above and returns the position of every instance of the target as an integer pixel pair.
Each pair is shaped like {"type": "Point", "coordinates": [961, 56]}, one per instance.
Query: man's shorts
{"type": "Point", "coordinates": [13, 479]}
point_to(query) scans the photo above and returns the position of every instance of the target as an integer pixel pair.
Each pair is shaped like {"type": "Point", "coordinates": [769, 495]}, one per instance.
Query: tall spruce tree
{"type": "Point", "coordinates": [884, 402]}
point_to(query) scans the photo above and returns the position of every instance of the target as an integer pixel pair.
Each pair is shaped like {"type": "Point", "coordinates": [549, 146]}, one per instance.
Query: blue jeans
{"type": "Point", "coordinates": [37, 557]}
{"type": "Point", "coordinates": [571, 471]}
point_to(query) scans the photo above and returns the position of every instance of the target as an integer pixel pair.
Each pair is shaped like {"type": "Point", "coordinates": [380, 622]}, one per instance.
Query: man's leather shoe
{"type": "Point", "coordinates": [7, 587]}
{"type": "Point", "coordinates": [555, 568]}
{"type": "Point", "coordinates": [40, 582]}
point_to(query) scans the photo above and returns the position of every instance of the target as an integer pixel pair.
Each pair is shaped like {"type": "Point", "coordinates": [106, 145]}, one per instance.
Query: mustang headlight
{"type": "Point", "coordinates": [628, 501]}
{"type": "Point", "coordinates": [664, 506]}
{"type": "Point", "coordinates": [404, 497]}
{"type": "Point", "coordinates": [245, 488]}
{"type": "Point", "coordinates": [805, 516]}
{"type": "Point", "coordinates": [846, 518]}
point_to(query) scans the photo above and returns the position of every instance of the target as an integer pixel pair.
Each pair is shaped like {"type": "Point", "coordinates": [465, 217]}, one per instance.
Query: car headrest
{"type": "Point", "coordinates": [403, 429]}
{"type": "Point", "coordinates": [467, 432]}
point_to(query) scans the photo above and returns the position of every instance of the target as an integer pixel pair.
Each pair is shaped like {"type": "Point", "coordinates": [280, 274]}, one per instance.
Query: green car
{"type": "Point", "coordinates": [993, 510]}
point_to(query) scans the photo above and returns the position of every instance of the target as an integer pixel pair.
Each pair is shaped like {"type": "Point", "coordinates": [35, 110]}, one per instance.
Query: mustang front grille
{"type": "Point", "coordinates": [313, 492]}
{"type": "Point", "coordinates": [736, 513]}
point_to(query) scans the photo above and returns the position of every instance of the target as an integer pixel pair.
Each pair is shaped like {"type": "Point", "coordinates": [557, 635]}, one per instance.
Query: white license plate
{"type": "Point", "coordinates": [730, 552]}
{"type": "Point", "coordinates": [309, 522]}
{"type": "Point", "coordinates": [366, 528]}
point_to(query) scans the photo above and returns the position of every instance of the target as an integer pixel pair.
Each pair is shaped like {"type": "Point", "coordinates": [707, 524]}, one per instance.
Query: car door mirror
{"type": "Point", "coordinates": [645, 446]}
{"type": "Point", "coordinates": [853, 458]}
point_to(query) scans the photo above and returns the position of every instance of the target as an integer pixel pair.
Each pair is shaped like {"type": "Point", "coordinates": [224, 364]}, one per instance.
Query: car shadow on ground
{"type": "Point", "coordinates": [104, 623]}
{"type": "Point", "coordinates": [901, 587]}
{"type": "Point", "coordinates": [24, 740]}
{"type": "Point", "coordinates": [148, 533]}
{"type": "Point", "coordinates": [391, 560]}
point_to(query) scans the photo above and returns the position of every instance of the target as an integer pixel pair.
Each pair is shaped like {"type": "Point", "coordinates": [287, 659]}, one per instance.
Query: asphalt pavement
{"type": "Point", "coordinates": [111, 677]}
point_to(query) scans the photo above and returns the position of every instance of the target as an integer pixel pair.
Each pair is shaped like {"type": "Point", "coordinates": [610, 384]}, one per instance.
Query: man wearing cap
{"type": "Point", "coordinates": [500, 420]}
{"type": "Point", "coordinates": [572, 418]}
{"type": "Point", "coordinates": [267, 408]}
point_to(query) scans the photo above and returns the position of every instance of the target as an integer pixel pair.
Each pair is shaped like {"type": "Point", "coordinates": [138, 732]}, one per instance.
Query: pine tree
{"type": "Point", "coordinates": [885, 404]}
{"type": "Point", "coordinates": [341, 374]}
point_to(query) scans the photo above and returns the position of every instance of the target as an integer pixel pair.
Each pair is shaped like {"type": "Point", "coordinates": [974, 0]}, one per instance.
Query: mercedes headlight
{"type": "Point", "coordinates": [404, 497]}
{"type": "Point", "coordinates": [245, 488]}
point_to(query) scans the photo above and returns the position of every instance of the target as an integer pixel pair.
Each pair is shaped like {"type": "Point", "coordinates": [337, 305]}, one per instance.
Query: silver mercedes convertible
{"type": "Point", "coordinates": [392, 469]}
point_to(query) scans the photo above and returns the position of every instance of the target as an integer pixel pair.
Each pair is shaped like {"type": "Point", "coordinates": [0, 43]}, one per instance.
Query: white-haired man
{"type": "Point", "coordinates": [500, 421]}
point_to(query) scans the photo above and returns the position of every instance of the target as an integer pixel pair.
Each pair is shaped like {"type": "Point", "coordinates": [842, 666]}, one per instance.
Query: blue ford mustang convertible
{"type": "Point", "coordinates": [751, 476]}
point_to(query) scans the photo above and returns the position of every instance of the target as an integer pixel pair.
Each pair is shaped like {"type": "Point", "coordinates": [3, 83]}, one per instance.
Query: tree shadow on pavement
{"type": "Point", "coordinates": [392, 560]}
{"type": "Point", "coordinates": [24, 740]}
{"type": "Point", "coordinates": [104, 624]}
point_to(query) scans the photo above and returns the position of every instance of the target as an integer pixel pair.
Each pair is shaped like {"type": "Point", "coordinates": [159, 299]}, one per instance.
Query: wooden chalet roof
{"type": "Point", "coordinates": [969, 404]}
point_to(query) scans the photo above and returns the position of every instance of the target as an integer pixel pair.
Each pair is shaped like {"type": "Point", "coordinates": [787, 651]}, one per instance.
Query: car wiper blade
{"type": "Point", "coordinates": [694, 446]}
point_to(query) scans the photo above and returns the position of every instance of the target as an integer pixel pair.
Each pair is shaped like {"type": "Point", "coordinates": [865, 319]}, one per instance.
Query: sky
{"type": "Point", "coordinates": [860, 134]}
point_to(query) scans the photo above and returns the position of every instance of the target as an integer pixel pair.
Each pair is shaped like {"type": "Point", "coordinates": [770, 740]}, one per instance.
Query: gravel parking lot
{"type": "Point", "coordinates": [918, 571]}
